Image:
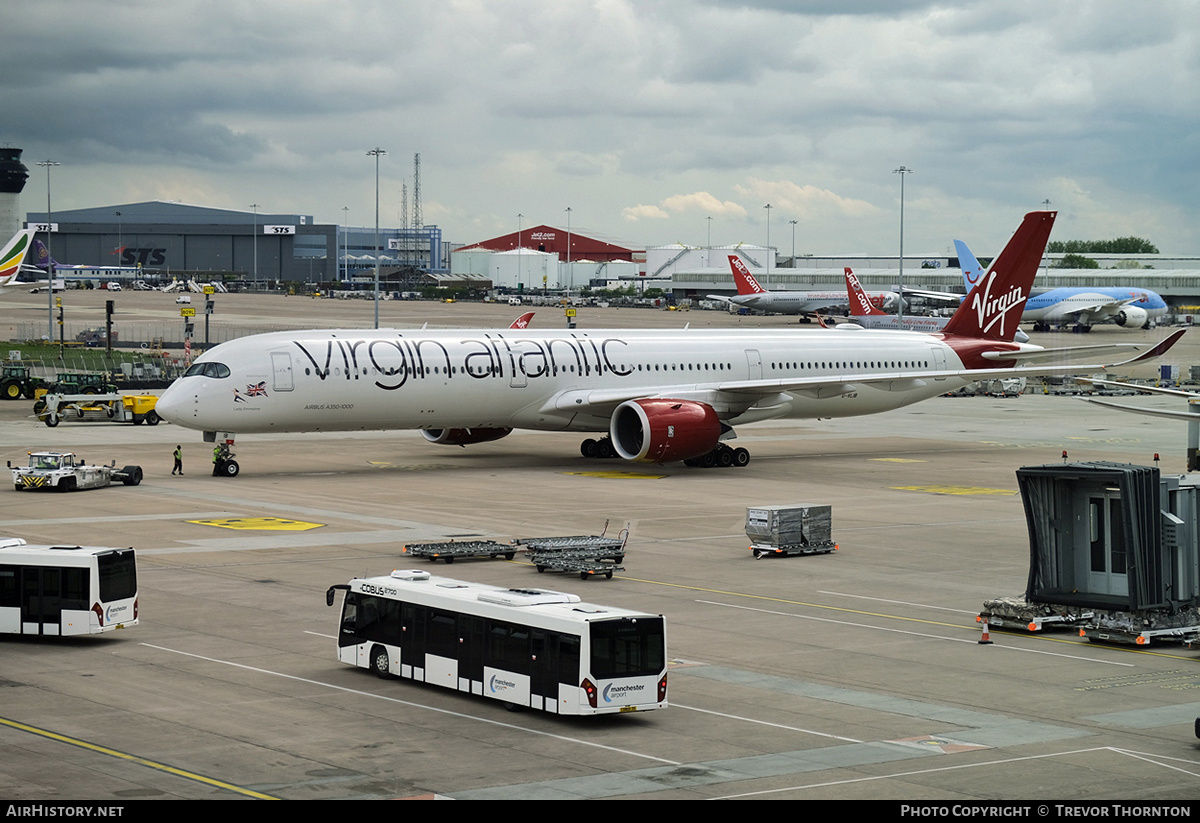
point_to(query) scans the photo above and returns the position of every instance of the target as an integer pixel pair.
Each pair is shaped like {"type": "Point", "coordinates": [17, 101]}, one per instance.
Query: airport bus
{"type": "Point", "coordinates": [525, 647]}
{"type": "Point", "coordinates": [66, 590]}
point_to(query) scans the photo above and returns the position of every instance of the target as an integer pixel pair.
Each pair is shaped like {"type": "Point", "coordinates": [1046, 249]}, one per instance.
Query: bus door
{"type": "Point", "coordinates": [472, 640]}
{"type": "Point", "coordinates": [412, 641]}
{"type": "Point", "coordinates": [554, 660]}
{"type": "Point", "coordinates": [41, 600]}
{"type": "Point", "coordinates": [543, 680]}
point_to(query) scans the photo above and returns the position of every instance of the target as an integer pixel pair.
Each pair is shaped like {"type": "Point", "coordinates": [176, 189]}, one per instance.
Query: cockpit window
{"type": "Point", "coordinates": [209, 369]}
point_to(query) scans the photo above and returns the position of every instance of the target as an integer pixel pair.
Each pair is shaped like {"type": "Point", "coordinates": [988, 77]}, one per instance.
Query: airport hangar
{"type": "Point", "coordinates": [198, 241]}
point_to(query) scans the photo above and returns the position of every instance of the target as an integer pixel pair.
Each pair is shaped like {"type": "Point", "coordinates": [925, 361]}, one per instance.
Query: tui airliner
{"type": "Point", "coordinates": [657, 395]}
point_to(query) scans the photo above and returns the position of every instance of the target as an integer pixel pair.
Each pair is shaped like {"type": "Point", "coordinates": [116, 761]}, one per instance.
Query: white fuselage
{"type": "Point", "coordinates": [431, 379]}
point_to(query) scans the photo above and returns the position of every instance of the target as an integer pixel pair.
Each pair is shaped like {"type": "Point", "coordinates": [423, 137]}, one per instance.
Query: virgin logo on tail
{"type": "Point", "coordinates": [991, 310]}
{"type": "Point", "coordinates": [1003, 290]}
{"type": "Point", "coordinates": [746, 284]}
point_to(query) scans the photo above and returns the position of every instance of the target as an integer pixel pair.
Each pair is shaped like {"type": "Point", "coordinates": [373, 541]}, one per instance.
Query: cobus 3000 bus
{"type": "Point", "coordinates": [526, 647]}
{"type": "Point", "coordinates": [66, 590]}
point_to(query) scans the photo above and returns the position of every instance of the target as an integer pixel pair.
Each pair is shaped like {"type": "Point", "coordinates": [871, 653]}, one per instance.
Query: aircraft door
{"type": "Point", "coordinates": [281, 367]}
{"type": "Point", "coordinates": [754, 364]}
{"type": "Point", "coordinates": [939, 360]}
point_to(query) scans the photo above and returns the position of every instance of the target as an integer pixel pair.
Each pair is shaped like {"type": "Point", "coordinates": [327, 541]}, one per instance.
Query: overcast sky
{"type": "Point", "coordinates": [645, 118]}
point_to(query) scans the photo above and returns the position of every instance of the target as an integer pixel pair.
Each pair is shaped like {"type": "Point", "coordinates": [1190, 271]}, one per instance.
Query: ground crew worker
{"type": "Point", "coordinates": [217, 461]}
{"type": "Point", "coordinates": [178, 455]}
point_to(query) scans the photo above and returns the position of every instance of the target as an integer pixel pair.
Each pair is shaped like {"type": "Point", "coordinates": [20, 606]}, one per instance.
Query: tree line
{"type": "Point", "coordinates": [1120, 245]}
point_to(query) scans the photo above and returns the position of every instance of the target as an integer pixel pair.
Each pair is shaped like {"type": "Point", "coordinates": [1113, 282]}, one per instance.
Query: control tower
{"type": "Point", "coordinates": [13, 175]}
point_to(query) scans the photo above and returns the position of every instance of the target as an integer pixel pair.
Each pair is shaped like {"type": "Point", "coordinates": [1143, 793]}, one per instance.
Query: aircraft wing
{"type": "Point", "coordinates": [948, 297]}
{"type": "Point", "coordinates": [732, 397]}
{"type": "Point", "coordinates": [1100, 309]}
{"type": "Point", "coordinates": [1043, 355]}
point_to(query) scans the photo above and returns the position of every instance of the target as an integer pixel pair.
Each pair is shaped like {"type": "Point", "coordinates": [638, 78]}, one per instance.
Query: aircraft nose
{"type": "Point", "coordinates": [170, 406]}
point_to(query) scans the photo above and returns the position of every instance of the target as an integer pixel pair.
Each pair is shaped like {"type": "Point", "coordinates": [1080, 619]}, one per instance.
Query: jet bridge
{"type": "Point", "coordinates": [1114, 550]}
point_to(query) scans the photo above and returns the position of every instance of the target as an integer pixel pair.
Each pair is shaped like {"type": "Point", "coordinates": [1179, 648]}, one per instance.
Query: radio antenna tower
{"type": "Point", "coordinates": [404, 234]}
{"type": "Point", "coordinates": [416, 216]}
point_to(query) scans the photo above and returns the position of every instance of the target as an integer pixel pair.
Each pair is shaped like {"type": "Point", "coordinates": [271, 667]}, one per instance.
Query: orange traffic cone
{"type": "Point", "coordinates": [985, 639]}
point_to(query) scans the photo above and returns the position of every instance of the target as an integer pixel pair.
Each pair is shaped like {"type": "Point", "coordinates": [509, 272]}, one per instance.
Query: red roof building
{"type": "Point", "coordinates": [554, 241]}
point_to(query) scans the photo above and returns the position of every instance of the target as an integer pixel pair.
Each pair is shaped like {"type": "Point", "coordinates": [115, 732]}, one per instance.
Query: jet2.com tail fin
{"type": "Point", "coordinates": [12, 254]}
{"type": "Point", "coordinates": [860, 304]}
{"type": "Point", "coordinates": [992, 310]}
{"type": "Point", "coordinates": [746, 284]}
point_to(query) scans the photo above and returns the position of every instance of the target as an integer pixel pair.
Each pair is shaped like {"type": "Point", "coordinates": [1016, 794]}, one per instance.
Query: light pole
{"type": "Point", "coordinates": [570, 278]}
{"type": "Point", "coordinates": [49, 254]}
{"type": "Point", "coordinates": [520, 217]}
{"type": "Point", "coordinates": [903, 170]}
{"type": "Point", "coordinates": [254, 241]}
{"type": "Point", "coordinates": [345, 267]}
{"type": "Point", "coordinates": [376, 153]}
{"type": "Point", "coordinates": [793, 222]}
{"type": "Point", "coordinates": [120, 252]}
{"type": "Point", "coordinates": [769, 255]}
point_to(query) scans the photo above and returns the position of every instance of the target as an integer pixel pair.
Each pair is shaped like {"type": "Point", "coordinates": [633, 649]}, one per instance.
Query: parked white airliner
{"type": "Point", "coordinates": [754, 296]}
{"type": "Point", "coordinates": [660, 395]}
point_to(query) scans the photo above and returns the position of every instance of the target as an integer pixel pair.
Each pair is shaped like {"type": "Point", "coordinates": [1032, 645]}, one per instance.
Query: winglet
{"type": "Point", "coordinates": [746, 284]}
{"type": "Point", "coordinates": [860, 304]}
{"type": "Point", "coordinates": [992, 311]}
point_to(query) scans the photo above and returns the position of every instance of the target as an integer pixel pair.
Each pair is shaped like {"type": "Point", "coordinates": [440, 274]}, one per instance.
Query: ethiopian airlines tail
{"type": "Point", "coordinates": [860, 304]}
{"type": "Point", "coordinates": [992, 310]}
{"type": "Point", "coordinates": [12, 256]}
{"type": "Point", "coordinates": [746, 284]}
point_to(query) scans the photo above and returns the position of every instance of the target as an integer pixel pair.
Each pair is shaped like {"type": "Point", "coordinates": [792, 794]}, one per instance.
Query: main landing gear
{"type": "Point", "coordinates": [599, 449]}
{"type": "Point", "coordinates": [721, 457]}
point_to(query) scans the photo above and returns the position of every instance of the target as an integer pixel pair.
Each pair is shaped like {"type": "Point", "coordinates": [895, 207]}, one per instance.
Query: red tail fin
{"type": "Point", "coordinates": [992, 311]}
{"type": "Point", "coordinates": [746, 284]}
{"type": "Point", "coordinates": [522, 322]}
{"type": "Point", "coordinates": [860, 304]}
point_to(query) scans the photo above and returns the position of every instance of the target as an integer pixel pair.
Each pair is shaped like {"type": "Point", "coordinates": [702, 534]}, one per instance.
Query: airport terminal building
{"type": "Point", "coordinates": [177, 240]}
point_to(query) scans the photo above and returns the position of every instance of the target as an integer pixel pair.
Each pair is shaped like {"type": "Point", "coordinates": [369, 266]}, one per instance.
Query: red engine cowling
{"type": "Point", "coordinates": [1133, 317]}
{"type": "Point", "coordinates": [659, 430]}
{"type": "Point", "coordinates": [461, 437]}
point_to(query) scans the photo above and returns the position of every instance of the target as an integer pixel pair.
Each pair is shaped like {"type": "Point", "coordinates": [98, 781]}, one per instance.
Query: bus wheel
{"type": "Point", "coordinates": [512, 707]}
{"type": "Point", "coordinates": [380, 663]}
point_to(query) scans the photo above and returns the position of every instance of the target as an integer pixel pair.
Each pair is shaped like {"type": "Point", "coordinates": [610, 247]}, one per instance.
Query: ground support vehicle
{"type": "Point", "coordinates": [790, 530]}
{"type": "Point", "coordinates": [529, 648]}
{"type": "Point", "coordinates": [82, 383]}
{"type": "Point", "coordinates": [115, 408]}
{"type": "Point", "coordinates": [586, 555]}
{"type": "Point", "coordinates": [760, 550]}
{"type": "Point", "coordinates": [66, 590]}
{"type": "Point", "coordinates": [453, 549]}
{"type": "Point", "coordinates": [17, 382]}
{"type": "Point", "coordinates": [64, 472]}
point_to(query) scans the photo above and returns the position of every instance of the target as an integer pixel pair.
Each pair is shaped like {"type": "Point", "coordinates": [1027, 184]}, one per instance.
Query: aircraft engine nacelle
{"type": "Point", "coordinates": [1132, 317]}
{"type": "Point", "coordinates": [659, 430]}
{"type": "Point", "coordinates": [461, 437]}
